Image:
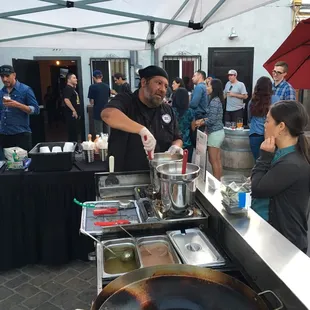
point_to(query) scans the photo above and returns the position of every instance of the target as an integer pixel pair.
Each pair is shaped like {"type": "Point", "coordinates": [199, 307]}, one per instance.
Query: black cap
{"type": "Point", "coordinates": [151, 71]}
{"type": "Point", "coordinates": [6, 70]}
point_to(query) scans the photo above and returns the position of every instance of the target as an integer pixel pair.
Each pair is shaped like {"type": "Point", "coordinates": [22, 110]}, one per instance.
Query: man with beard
{"type": "Point", "coordinates": [141, 123]}
{"type": "Point", "coordinates": [18, 102]}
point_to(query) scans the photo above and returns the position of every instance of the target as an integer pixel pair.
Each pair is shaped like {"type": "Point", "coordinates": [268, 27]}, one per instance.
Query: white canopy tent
{"type": "Point", "coordinates": [111, 24]}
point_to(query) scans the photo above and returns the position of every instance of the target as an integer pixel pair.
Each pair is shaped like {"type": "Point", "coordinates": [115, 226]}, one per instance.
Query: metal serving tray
{"type": "Point", "coordinates": [157, 239]}
{"type": "Point", "coordinates": [119, 242]}
{"type": "Point", "coordinates": [195, 248]}
{"type": "Point", "coordinates": [125, 189]}
{"type": "Point", "coordinates": [127, 211]}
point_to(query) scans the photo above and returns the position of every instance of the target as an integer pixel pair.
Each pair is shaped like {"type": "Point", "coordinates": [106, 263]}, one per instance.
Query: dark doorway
{"type": "Point", "coordinates": [28, 72]}
{"type": "Point", "coordinates": [53, 76]}
{"type": "Point", "coordinates": [221, 60]}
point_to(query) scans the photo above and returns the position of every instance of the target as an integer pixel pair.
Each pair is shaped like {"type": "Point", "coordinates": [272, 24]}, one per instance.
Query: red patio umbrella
{"type": "Point", "coordinates": [295, 51]}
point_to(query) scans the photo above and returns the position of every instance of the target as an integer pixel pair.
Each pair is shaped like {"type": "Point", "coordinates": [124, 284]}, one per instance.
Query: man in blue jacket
{"type": "Point", "coordinates": [199, 99]}
{"type": "Point", "coordinates": [17, 102]}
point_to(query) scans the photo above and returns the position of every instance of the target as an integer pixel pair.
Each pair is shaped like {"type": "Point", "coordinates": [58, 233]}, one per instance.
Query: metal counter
{"type": "Point", "coordinates": [272, 262]}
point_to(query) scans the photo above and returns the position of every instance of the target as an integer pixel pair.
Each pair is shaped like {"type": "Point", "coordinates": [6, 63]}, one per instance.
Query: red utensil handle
{"type": "Point", "coordinates": [105, 211]}
{"type": "Point", "coordinates": [149, 154]}
{"type": "Point", "coordinates": [184, 161]}
{"type": "Point", "coordinates": [118, 222]}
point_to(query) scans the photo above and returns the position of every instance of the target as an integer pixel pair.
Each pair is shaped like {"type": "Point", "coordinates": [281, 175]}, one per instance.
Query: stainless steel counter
{"type": "Point", "coordinates": [270, 259]}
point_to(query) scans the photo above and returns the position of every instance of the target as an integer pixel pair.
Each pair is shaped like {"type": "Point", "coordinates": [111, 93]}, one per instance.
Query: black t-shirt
{"type": "Point", "coordinates": [100, 93]}
{"type": "Point", "coordinates": [127, 148]}
{"type": "Point", "coordinates": [125, 88]}
{"type": "Point", "coordinates": [70, 93]}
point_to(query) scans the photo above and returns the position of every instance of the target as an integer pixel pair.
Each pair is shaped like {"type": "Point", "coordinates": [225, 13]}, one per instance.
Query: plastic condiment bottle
{"type": "Point", "coordinates": [15, 156]}
{"type": "Point", "coordinates": [96, 144]}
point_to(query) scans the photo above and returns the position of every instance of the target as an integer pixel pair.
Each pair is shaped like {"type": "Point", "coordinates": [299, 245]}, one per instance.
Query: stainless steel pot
{"type": "Point", "coordinates": [177, 189]}
{"type": "Point", "coordinates": [161, 158]}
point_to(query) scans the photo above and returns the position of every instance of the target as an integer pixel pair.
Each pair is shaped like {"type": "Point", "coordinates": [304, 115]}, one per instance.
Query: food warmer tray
{"type": "Point", "coordinates": [157, 239]}
{"type": "Point", "coordinates": [195, 248]}
{"type": "Point", "coordinates": [129, 211]}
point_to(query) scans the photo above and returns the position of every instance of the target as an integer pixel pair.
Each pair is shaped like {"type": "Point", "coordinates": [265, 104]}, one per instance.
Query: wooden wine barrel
{"type": "Point", "coordinates": [236, 154]}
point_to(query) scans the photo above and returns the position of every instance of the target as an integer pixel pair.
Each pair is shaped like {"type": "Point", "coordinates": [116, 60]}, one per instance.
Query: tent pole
{"type": "Point", "coordinates": [111, 35]}
{"type": "Point", "coordinates": [86, 2]}
{"type": "Point", "coordinates": [213, 11]}
{"type": "Point", "coordinates": [152, 54]}
{"type": "Point", "coordinates": [112, 24]}
{"type": "Point", "coordinates": [33, 36]}
{"type": "Point", "coordinates": [152, 41]}
{"type": "Point", "coordinates": [174, 17]}
{"type": "Point", "coordinates": [194, 10]}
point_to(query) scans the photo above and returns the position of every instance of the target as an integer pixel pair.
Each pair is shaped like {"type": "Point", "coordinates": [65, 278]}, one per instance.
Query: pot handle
{"type": "Point", "coordinates": [275, 296]}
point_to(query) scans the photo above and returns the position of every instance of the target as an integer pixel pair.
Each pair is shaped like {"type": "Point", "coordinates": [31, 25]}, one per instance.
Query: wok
{"type": "Point", "coordinates": [178, 287]}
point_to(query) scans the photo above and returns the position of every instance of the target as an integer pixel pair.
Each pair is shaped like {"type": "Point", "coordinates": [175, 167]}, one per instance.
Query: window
{"type": "Point", "coordinates": [110, 66]}
{"type": "Point", "coordinates": [183, 67]}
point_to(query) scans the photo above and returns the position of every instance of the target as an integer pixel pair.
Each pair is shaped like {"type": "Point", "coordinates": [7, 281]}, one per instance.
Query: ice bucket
{"type": "Point", "coordinates": [161, 158]}
{"type": "Point", "coordinates": [177, 189]}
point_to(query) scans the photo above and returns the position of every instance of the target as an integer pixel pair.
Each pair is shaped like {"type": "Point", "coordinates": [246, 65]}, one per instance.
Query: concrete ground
{"type": "Point", "coordinates": [67, 287]}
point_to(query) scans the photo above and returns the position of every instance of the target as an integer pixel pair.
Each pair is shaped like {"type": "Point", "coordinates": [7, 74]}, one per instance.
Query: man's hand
{"type": "Point", "coordinates": [149, 143]}
{"type": "Point", "coordinates": [174, 149]}
{"type": "Point", "coordinates": [74, 114]}
{"type": "Point", "coordinates": [231, 94]}
{"type": "Point", "coordinates": [113, 92]}
{"type": "Point", "coordinates": [11, 103]}
{"type": "Point", "coordinates": [269, 145]}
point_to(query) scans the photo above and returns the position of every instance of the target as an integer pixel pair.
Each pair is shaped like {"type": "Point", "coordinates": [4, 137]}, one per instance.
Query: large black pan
{"type": "Point", "coordinates": [177, 287]}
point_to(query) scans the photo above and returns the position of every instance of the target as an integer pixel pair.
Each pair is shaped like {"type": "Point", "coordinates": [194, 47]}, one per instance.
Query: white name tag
{"type": "Point", "coordinates": [166, 118]}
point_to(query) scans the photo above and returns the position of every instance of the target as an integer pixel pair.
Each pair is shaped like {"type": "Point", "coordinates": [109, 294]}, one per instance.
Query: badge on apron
{"type": "Point", "coordinates": [166, 118]}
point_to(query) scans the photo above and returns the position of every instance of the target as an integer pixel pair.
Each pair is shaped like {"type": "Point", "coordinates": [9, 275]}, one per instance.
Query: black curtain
{"type": "Point", "coordinates": [39, 223]}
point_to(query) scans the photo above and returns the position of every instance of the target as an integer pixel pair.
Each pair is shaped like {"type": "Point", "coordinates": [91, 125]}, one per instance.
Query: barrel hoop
{"type": "Point", "coordinates": [235, 150]}
{"type": "Point", "coordinates": [236, 169]}
{"type": "Point", "coordinates": [237, 137]}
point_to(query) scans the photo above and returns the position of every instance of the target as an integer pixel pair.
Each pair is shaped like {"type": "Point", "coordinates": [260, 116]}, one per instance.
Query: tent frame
{"type": "Point", "coordinates": [86, 5]}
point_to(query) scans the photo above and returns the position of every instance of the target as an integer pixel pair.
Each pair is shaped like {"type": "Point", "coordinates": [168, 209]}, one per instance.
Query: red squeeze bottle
{"type": "Point", "coordinates": [149, 154]}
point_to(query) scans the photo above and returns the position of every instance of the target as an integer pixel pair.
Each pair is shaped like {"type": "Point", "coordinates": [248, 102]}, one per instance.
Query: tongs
{"type": "Point", "coordinates": [97, 211]}
{"type": "Point", "coordinates": [112, 223]}
{"type": "Point", "coordinates": [84, 205]}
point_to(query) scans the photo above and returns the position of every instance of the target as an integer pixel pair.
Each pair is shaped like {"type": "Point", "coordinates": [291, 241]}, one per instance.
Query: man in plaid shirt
{"type": "Point", "coordinates": [281, 87]}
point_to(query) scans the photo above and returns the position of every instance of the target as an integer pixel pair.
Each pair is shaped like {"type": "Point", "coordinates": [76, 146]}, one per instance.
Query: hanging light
{"type": "Point", "coordinates": [57, 62]}
{"type": "Point", "coordinates": [233, 34]}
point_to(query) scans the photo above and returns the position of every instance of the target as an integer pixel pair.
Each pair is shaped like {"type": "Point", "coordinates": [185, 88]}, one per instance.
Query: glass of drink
{"type": "Point", "coordinates": [227, 124]}
{"type": "Point", "coordinates": [6, 97]}
{"type": "Point", "coordinates": [233, 125]}
{"type": "Point", "coordinates": [239, 122]}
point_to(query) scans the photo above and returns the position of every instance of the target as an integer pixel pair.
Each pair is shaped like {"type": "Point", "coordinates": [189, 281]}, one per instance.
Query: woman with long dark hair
{"type": "Point", "coordinates": [214, 125]}
{"type": "Point", "coordinates": [257, 110]}
{"type": "Point", "coordinates": [185, 115]}
{"type": "Point", "coordinates": [282, 172]}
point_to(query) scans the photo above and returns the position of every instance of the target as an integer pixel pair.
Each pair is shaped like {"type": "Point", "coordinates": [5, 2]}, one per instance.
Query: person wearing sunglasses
{"type": "Point", "coordinates": [16, 104]}
{"type": "Point", "coordinates": [282, 88]}
{"type": "Point", "coordinates": [235, 92]}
